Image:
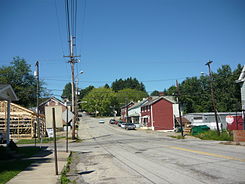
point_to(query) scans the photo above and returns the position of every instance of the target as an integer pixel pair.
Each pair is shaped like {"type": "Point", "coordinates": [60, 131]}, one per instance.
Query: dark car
{"type": "Point", "coordinates": [112, 121]}
{"type": "Point", "coordinates": [130, 126]}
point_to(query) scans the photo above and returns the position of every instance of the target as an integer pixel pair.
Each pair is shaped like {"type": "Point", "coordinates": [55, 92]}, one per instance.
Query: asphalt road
{"type": "Point", "coordinates": [109, 154]}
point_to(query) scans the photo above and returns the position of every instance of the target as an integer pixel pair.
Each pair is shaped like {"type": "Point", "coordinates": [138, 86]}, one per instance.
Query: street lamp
{"type": "Point", "coordinates": [212, 95]}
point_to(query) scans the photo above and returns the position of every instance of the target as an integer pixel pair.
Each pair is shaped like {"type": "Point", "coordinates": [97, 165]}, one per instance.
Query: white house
{"type": "Point", "coordinates": [241, 81]}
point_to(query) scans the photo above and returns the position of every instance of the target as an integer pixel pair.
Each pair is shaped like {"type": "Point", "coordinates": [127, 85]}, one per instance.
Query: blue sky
{"type": "Point", "coordinates": [156, 41]}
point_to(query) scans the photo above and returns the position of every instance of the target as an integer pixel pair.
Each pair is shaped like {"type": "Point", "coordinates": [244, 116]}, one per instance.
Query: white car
{"type": "Point", "coordinates": [122, 125]}
{"type": "Point", "coordinates": [101, 121]}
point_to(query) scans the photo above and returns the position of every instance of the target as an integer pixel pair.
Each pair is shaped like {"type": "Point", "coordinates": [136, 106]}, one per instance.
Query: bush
{"type": "Point", "coordinates": [213, 135]}
{"type": "Point", "coordinates": [12, 146]}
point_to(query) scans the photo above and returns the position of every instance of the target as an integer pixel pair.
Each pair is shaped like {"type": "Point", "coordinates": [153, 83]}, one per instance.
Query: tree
{"type": "Point", "coordinates": [131, 83]}
{"type": "Point", "coordinates": [99, 100]}
{"type": "Point", "coordinates": [106, 86]}
{"type": "Point", "coordinates": [195, 92]}
{"type": "Point", "coordinates": [155, 93]}
{"type": "Point", "coordinates": [85, 91]}
{"type": "Point", "coordinates": [21, 78]}
{"type": "Point", "coordinates": [67, 92]}
{"type": "Point", "coordinates": [126, 95]}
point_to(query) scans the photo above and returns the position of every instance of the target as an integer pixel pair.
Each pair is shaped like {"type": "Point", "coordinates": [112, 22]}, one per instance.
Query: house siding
{"type": "Point", "coordinates": [243, 95]}
{"type": "Point", "coordinates": [162, 112]}
{"type": "Point", "coordinates": [147, 113]}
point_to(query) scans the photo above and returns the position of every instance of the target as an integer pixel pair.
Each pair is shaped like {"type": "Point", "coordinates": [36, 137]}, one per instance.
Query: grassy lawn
{"type": "Point", "coordinates": [32, 141]}
{"type": "Point", "coordinates": [10, 168]}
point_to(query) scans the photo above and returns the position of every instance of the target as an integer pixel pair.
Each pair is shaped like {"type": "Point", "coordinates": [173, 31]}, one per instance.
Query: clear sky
{"type": "Point", "coordinates": [156, 41]}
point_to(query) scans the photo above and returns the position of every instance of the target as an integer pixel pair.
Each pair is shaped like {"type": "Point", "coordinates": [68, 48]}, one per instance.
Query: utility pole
{"type": "Point", "coordinates": [72, 62]}
{"type": "Point", "coordinates": [212, 96]}
{"type": "Point", "coordinates": [38, 122]}
{"type": "Point", "coordinates": [178, 101]}
{"type": "Point", "coordinates": [76, 99]}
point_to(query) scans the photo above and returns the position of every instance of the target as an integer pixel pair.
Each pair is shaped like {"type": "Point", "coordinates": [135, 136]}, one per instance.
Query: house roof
{"type": "Point", "coordinates": [127, 105]}
{"type": "Point", "coordinates": [7, 93]}
{"type": "Point", "coordinates": [138, 104]}
{"type": "Point", "coordinates": [18, 109]}
{"type": "Point", "coordinates": [168, 98]}
{"type": "Point", "coordinates": [52, 98]}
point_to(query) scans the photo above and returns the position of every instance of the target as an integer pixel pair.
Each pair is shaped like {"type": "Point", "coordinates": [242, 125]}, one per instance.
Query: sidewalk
{"type": "Point", "coordinates": [42, 170]}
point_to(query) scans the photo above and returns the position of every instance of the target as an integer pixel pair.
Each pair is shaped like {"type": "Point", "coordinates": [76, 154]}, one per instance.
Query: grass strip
{"type": "Point", "coordinates": [64, 179]}
{"type": "Point", "coordinates": [177, 136]}
{"type": "Point", "coordinates": [44, 140]}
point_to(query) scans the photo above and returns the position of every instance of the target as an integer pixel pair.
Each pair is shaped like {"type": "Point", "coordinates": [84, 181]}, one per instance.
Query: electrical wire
{"type": "Point", "coordinates": [58, 25]}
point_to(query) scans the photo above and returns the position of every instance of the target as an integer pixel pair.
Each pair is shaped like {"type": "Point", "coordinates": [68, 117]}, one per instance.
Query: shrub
{"type": "Point", "coordinates": [213, 135]}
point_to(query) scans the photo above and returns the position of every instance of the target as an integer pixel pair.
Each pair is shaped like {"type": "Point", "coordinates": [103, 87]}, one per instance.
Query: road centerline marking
{"type": "Point", "coordinates": [207, 153]}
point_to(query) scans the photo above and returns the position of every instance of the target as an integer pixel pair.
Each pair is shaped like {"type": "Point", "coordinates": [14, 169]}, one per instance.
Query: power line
{"type": "Point", "coordinates": [58, 22]}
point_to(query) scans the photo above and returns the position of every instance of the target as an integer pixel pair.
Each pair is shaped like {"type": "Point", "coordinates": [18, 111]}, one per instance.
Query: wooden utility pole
{"type": "Point", "coordinates": [178, 101]}
{"type": "Point", "coordinates": [72, 62]}
{"type": "Point", "coordinates": [38, 122]}
{"type": "Point", "coordinates": [66, 128]}
{"type": "Point", "coordinates": [212, 96]}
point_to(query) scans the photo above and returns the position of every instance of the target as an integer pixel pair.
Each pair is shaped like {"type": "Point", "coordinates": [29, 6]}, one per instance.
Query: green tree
{"type": "Point", "coordinates": [85, 91]}
{"type": "Point", "coordinates": [20, 76]}
{"type": "Point", "coordinates": [226, 90]}
{"type": "Point", "coordinates": [131, 83]}
{"type": "Point", "coordinates": [67, 91]}
{"type": "Point", "coordinates": [99, 100]}
{"type": "Point", "coordinates": [126, 95]}
{"type": "Point", "coordinates": [155, 93]}
{"type": "Point", "coordinates": [195, 92]}
{"type": "Point", "coordinates": [106, 86]}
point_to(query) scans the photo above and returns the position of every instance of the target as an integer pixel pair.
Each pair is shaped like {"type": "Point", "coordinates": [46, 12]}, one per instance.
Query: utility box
{"type": "Point", "coordinates": [199, 129]}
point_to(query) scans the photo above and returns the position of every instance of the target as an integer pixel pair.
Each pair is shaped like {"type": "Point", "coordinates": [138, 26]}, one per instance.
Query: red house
{"type": "Point", "coordinates": [158, 114]}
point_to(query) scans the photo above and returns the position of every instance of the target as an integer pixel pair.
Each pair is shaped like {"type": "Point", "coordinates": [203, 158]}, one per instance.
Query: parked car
{"type": "Point", "coordinates": [119, 123]}
{"type": "Point", "coordinates": [101, 121]}
{"type": "Point", "coordinates": [130, 126]}
{"type": "Point", "coordinates": [112, 121]}
{"type": "Point", "coordinates": [123, 125]}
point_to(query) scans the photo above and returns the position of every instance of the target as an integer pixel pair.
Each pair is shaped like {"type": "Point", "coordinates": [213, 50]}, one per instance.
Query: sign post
{"type": "Point", "coordinates": [55, 148]}
{"type": "Point", "coordinates": [67, 117]}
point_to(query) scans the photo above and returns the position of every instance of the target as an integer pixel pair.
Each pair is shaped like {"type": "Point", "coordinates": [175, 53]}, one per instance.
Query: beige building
{"type": "Point", "coordinates": [46, 108]}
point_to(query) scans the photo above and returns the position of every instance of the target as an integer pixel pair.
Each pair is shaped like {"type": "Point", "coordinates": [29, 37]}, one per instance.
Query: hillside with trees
{"type": "Point", "coordinates": [105, 100]}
